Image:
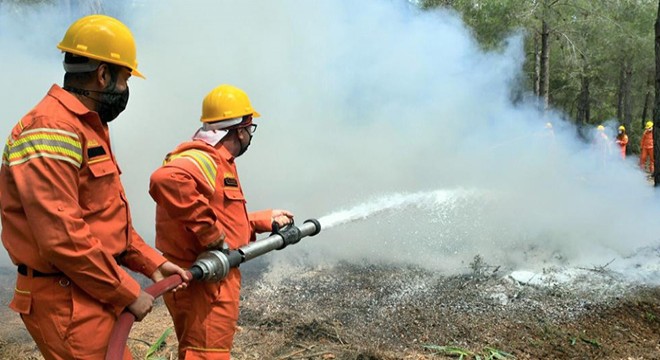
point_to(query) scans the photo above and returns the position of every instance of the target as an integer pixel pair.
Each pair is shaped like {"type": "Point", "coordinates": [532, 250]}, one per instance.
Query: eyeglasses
{"type": "Point", "coordinates": [251, 128]}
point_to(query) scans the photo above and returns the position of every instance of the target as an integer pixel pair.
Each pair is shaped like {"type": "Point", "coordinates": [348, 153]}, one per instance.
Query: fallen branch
{"type": "Point", "coordinates": [291, 355]}
{"type": "Point", "coordinates": [599, 269]}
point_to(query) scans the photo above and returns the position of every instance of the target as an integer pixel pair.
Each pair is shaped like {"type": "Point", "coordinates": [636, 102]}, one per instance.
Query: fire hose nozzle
{"type": "Point", "coordinates": [214, 265]}
{"type": "Point", "coordinates": [317, 226]}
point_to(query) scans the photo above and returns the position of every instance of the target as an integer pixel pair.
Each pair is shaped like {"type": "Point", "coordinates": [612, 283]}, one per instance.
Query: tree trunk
{"type": "Point", "coordinates": [583, 107]}
{"type": "Point", "coordinates": [656, 114]}
{"type": "Point", "coordinates": [537, 66]}
{"type": "Point", "coordinates": [544, 82]}
{"type": "Point", "coordinates": [645, 110]}
{"type": "Point", "coordinates": [619, 94]}
{"type": "Point", "coordinates": [627, 94]}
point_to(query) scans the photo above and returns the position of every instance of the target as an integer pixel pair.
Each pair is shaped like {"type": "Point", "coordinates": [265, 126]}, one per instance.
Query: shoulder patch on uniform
{"type": "Point", "coordinates": [230, 180]}
{"type": "Point", "coordinates": [95, 151]}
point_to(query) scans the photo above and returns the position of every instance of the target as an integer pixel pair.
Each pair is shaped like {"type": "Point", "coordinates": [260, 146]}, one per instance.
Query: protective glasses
{"type": "Point", "coordinates": [250, 128]}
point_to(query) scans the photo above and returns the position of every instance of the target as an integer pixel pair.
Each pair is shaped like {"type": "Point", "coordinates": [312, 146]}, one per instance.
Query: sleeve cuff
{"type": "Point", "coordinates": [211, 235]}
{"type": "Point", "coordinates": [125, 294]}
{"type": "Point", "coordinates": [262, 221]}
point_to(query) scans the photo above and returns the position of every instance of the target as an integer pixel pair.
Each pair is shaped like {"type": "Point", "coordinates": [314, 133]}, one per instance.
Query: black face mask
{"type": "Point", "coordinates": [111, 103]}
{"type": "Point", "coordinates": [244, 148]}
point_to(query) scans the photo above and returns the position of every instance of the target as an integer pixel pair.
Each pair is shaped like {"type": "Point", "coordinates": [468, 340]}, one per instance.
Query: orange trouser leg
{"type": "Point", "coordinates": [205, 316]}
{"type": "Point", "coordinates": [63, 320]}
{"type": "Point", "coordinates": [652, 161]}
{"type": "Point", "coordinates": [647, 154]}
{"type": "Point", "coordinates": [642, 159]}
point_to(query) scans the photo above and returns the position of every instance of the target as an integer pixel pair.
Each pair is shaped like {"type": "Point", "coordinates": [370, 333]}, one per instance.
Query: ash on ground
{"type": "Point", "coordinates": [349, 311]}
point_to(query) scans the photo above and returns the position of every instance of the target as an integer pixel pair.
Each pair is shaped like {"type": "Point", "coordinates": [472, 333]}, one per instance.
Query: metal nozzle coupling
{"type": "Point", "coordinates": [214, 266]}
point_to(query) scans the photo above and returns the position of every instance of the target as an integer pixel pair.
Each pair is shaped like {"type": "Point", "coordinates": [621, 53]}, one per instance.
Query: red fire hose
{"type": "Point", "coordinates": [119, 335]}
{"type": "Point", "coordinates": [213, 265]}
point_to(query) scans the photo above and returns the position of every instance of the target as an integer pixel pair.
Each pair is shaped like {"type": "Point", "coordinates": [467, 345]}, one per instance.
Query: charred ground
{"type": "Point", "coordinates": [383, 312]}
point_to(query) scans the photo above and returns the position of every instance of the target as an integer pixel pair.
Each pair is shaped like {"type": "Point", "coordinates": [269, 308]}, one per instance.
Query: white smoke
{"type": "Point", "coordinates": [359, 99]}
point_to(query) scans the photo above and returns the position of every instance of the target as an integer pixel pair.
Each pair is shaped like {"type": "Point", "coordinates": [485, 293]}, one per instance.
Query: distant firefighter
{"type": "Point", "coordinates": [646, 148]}
{"type": "Point", "coordinates": [622, 141]}
{"type": "Point", "coordinates": [602, 141]}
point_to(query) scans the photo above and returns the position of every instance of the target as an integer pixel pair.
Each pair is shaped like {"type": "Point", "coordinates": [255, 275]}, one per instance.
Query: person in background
{"type": "Point", "coordinates": [622, 141]}
{"type": "Point", "coordinates": [66, 223]}
{"type": "Point", "coordinates": [603, 145]}
{"type": "Point", "coordinates": [200, 206]}
{"type": "Point", "coordinates": [646, 148]}
{"type": "Point", "coordinates": [550, 129]}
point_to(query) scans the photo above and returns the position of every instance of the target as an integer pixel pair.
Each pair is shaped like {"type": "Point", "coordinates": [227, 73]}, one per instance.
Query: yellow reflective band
{"type": "Point", "coordinates": [48, 134]}
{"type": "Point", "coordinates": [97, 160]}
{"type": "Point", "coordinates": [46, 151]}
{"type": "Point", "coordinates": [195, 348]}
{"type": "Point", "coordinates": [203, 161]}
{"type": "Point", "coordinates": [47, 143]}
{"type": "Point", "coordinates": [21, 291]}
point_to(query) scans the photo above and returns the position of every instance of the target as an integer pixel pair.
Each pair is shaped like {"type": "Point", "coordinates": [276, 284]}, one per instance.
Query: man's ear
{"type": "Point", "coordinates": [103, 75]}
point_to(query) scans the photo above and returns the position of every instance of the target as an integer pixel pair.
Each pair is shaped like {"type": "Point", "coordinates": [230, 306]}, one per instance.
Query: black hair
{"type": "Point", "coordinates": [82, 78]}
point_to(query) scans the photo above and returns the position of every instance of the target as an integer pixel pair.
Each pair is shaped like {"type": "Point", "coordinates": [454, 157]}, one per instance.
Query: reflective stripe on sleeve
{"type": "Point", "coordinates": [44, 143]}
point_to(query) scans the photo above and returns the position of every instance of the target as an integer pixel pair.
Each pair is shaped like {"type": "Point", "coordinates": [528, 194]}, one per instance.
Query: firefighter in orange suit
{"type": "Point", "coordinates": [646, 148]}
{"type": "Point", "coordinates": [65, 218]}
{"type": "Point", "coordinates": [201, 206]}
{"type": "Point", "coordinates": [622, 141]}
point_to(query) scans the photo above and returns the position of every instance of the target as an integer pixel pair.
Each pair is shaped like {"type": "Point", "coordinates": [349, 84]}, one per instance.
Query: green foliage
{"type": "Point", "coordinates": [592, 342]}
{"type": "Point", "coordinates": [450, 351]}
{"type": "Point", "coordinates": [593, 39]}
{"type": "Point", "coordinates": [650, 317]}
{"type": "Point", "coordinates": [158, 345]}
{"type": "Point", "coordinates": [488, 353]}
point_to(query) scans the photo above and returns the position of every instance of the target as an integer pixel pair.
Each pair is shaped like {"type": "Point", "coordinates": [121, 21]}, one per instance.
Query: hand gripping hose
{"type": "Point", "coordinates": [214, 266]}
{"type": "Point", "coordinates": [119, 335]}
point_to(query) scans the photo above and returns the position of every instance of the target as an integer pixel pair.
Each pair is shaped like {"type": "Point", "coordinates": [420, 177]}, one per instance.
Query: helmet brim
{"type": "Point", "coordinates": [135, 72]}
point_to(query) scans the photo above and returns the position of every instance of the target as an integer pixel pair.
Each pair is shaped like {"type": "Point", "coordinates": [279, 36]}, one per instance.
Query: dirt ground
{"type": "Point", "coordinates": [381, 313]}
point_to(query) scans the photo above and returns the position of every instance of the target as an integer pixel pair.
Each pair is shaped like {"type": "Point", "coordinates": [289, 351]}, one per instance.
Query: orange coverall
{"type": "Point", "coordinates": [647, 151]}
{"type": "Point", "coordinates": [622, 141]}
{"type": "Point", "coordinates": [66, 222]}
{"type": "Point", "coordinates": [199, 198]}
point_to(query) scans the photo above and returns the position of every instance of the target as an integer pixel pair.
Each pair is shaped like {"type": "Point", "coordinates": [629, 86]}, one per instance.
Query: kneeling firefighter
{"type": "Point", "coordinates": [200, 207]}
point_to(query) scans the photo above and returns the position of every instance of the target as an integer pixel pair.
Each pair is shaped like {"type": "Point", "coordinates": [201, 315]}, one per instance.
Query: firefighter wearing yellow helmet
{"type": "Point", "coordinates": [66, 223]}
{"type": "Point", "coordinates": [200, 205]}
{"type": "Point", "coordinates": [622, 140]}
{"type": "Point", "coordinates": [646, 148]}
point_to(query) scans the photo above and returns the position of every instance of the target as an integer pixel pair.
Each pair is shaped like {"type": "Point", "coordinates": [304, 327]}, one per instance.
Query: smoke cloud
{"type": "Point", "coordinates": [360, 101]}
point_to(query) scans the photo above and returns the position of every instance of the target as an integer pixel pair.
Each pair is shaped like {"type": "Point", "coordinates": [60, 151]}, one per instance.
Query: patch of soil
{"type": "Point", "coordinates": [382, 313]}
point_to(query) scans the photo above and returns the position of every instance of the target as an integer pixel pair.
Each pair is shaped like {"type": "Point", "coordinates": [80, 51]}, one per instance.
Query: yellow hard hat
{"type": "Point", "coordinates": [649, 124]}
{"type": "Point", "coordinates": [622, 128]}
{"type": "Point", "coordinates": [601, 128]}
{"type": "Point", "coordinates": [102, 38]}
{"type": "Point", "coordinates": [226, 102]}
